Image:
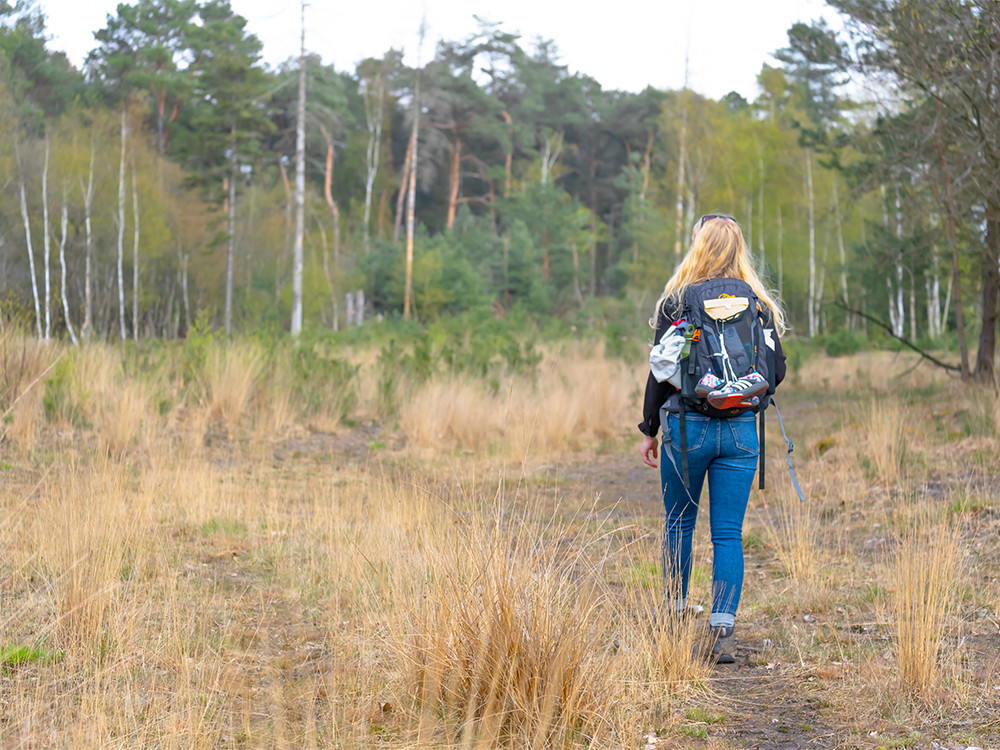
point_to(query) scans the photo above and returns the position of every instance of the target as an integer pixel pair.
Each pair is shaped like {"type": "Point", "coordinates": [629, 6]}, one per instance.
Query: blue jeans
{"type": "Point", "coordinates": [726, 450]}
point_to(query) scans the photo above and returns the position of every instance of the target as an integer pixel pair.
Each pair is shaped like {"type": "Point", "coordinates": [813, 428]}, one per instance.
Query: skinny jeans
{"type": "Point", "coordinates": [726, 451]}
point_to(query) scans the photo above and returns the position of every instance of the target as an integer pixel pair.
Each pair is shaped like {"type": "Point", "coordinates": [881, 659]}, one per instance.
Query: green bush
{"type": "Point", "coordinates": [843, 342]}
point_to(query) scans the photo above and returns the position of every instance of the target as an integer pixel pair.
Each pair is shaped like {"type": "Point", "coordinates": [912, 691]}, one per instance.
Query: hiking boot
{"type": "Point", "coordinates": [723, 640]}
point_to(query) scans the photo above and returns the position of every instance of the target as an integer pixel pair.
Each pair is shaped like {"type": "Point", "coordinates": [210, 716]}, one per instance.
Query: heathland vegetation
{"type": "Point", "coordinates": [259, 544]}
{"type": "Point", "coordinates": [421, 520]}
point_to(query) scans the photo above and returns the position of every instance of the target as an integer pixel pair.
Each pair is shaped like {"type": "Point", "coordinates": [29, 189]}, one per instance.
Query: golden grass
{"type": "Point", "coordinates": [277, 587]}
{"type": "Point", "coordinates": [231, 375]}
{"type": "Point", "coordinates": [883, 445]}
{"type": "Point", "coordinates": [556, 408]}
{"type": "Point", "coordinates": [924, 578]}
{"type": "Point", "coordinates": [792, 530]}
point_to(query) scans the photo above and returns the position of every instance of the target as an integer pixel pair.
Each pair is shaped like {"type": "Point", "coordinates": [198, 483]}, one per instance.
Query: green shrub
{"type": "Point", "coordinates": [843, 342]}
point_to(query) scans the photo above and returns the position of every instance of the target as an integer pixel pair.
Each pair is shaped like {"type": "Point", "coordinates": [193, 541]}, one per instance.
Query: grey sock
{"type": "Point", "coordinates": [722, 619]}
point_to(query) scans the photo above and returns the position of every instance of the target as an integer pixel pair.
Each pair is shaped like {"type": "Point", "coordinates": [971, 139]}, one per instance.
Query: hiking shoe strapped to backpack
{"type": "Point", "coordinates": [740, 393]}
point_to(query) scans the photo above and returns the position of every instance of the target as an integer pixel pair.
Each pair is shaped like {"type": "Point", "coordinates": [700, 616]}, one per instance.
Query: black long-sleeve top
{"type": "Point", "coordinates": [657, 393]}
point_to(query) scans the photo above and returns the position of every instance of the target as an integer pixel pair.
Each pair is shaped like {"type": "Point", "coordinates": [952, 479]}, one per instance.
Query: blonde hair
{"type": "Point", "coordinates": [718, 250]}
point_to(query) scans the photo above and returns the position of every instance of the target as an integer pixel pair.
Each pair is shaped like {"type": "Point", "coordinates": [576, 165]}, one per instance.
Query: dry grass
{"type": "Point", "coordinates": [791, 526]}
{"type": "Point", "coordinates": [883, 446]}
{"type": "Point", "coordinates": [553, 409]}
{"type": "Point", "coordinates": [166, 583]}
{"type": "Point", "coordinates": [924, 574]}
{"type": "Point", "coordinates": [504, 645]}
{"type": "Point", "coordinates": [231, 376]}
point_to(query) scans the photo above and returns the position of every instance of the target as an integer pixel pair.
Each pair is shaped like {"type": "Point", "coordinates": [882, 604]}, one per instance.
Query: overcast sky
{"type": "Point", "coordinates": [624, 44]}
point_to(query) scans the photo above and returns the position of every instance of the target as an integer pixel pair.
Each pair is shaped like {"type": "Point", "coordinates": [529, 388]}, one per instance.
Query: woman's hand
{"type": "Point", "coordinates": [648, 446]}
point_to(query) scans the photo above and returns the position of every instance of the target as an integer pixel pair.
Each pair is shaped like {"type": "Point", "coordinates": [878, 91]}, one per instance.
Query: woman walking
{"type": "Point", "coordinates": [720, 443]}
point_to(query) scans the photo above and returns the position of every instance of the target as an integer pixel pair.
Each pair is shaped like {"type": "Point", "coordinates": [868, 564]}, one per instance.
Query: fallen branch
{"type": "Point", "coordinates": [906, 342]}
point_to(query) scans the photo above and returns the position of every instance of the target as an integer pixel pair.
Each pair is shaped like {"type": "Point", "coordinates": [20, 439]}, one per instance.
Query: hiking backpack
{"type": "Point", "coordinates": [727, 365]}
{"type": "Point", "coordinates": [730, 353]}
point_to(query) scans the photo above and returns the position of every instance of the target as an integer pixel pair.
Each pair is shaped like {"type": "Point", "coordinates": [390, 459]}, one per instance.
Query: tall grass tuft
{"type": "Point", "coordinates": [231, 374]}
{"type": "Point", "coordinates": [924, 573]}
{"type": "Point", "coordinates": [883, 446]}
{"type": "Point", "coordinates": [24, 363]}
{"type": "Point", "coordinates": [793, 533]}
{"type": "Point", "coordinates": [505, 646]}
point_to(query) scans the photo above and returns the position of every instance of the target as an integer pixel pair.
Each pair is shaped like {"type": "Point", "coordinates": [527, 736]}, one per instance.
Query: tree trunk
{"type": "Point", "coordinates": [953, 241]}
{"type": "Point", "coordinates": [934, 295]}
{"type": "Point", "coordinates": [230, 230]}
{"type": "Point", "coordinates": [88, 281]}
{"type": "Point", "coordinates": [893, 312]}
{"type": "Point", "coordinates": [681, 161]}
{"type": "Point", "coordinates": [135, 258]}
{"type": "Point", "coordinates": [46, 242]}
{"type": "Point", "coordinates": [455, 176]}
{"type": "Point", "coordinates": [900, 309]}
{"type": "Point", "coordinates": [373, 117]}
{"type": "Point", "coordinates": [576, 274]}
{"type": "Point", "coordinates": [646, 161]}
{"type": "Point", "coordinates": [64, 226]}
{"type": "Point", "coordinates": [812, 246]}
{"type": "Point", "coordinates": [161, 106]}
{"type": "Point", "coordinates": [509, 156]}
{"type": "Point", "coordinates": [760, 210]}
{"type": "Point", "coordinates": [781, 260]}
{"type": "Point", "coordinates": [843, 252]}
{"type": "Point", "coordinates": [404, 181]}
{"type": "Point", "coordinates": [121, 233]}
{"type": "Point", "coordinates": [31, 260]}
{"type": "Point", "coordinates": [184, 293]}
{"type": "Point", "coordinates": [411, 200]}
{"type": "Point", "coordinates": [593, 251]}
{"type": "Point", "coordinates": [300, 187]}
{"type": "Point", "coordinates": [330, 202]}
{"type": "Point", "coordinates": [991, 278]}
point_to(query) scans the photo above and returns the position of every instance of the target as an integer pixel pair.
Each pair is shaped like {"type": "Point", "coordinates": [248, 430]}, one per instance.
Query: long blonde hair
{"type": "Point", "coordinates": [718, 250]}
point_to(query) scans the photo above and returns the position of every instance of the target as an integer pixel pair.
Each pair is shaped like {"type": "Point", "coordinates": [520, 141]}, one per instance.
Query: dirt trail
{"type": "Point", "coordinates": [765, 706]}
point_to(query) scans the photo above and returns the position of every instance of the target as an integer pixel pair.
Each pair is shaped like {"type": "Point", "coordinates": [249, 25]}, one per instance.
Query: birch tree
{"type": "Point", "coordinates": [300, 185]}
{"type": "Point", "coordinates": [121, 229]}
{"type": "Point", "coordinates": [64, 226]}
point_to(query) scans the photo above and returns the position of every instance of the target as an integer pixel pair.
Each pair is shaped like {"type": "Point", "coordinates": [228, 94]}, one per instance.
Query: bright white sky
{"type": "Point", "coordinates": [624, 44]}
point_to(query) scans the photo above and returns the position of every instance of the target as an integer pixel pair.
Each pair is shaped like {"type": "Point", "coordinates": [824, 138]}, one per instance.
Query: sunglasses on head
{"type": "Point", "coordinates": [708, 217]}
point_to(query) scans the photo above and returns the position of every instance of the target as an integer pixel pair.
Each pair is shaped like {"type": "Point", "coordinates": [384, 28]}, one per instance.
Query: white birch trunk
{"type": "Point", "coordinates": [88, 273]}
{"type": "Point", "coordinates": [812, 246]}
{"type": "Point", "coordinates": [411, 199]}
{"type": "Point", "coordinates": [947, 305]}
{"type": "Point", "coordinates": [64, 227]}
{"type": "Point", "coordinates": [681, 184]}
{"type": "Point", "coordinates": [373, 117]}
{"type": "Point", "coordinates": [46, 242]}
{"type": "Point", "coordinates": [121, 233]}
{"type": "Point", "coordinates": [300, 188]}
{"type": "Point", "coordinates": [843, 252]}
{"type": "Point", "coordinates": [231, 231]}
{"type": "Point", "coordinates": [888, 279]}
{"type": "Point", "coordinates": [184, 292]}
{"type": "Point", "coordinates": [135, 258]}
{"type": "Point", "coordinates": [900, 310]}
{"type": "Point", "coordinates": [31, 260]}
